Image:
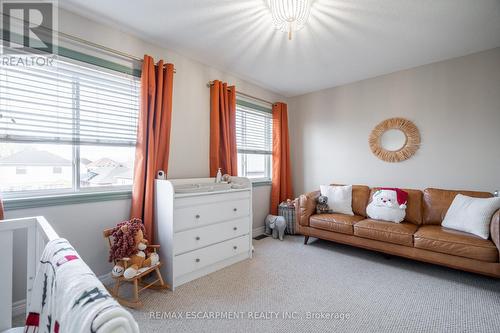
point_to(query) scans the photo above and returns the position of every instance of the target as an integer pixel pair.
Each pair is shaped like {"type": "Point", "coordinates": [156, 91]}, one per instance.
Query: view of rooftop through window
{"type": "Point", "coordinates": [50, 167]}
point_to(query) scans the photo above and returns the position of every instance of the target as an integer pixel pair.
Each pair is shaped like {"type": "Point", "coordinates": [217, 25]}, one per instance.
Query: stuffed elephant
{"type": "Point", "coordinates": [277, 224]}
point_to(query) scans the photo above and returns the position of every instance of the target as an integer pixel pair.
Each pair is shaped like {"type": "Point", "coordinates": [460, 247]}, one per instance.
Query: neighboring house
{"type": "Point", "coordinates": [106, 171]}
{"type": "Point", "coordinates": [32, 169]}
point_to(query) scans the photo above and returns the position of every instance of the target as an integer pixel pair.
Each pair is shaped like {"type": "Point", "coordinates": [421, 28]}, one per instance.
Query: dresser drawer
{"type": "Point", "coordinates": [196, 216]}
{"type": "Point", "coordinates": [210, 198]}
{"type": "Point", "coordinates": [191, 261]}
{"type": "Point", "coordinates": [188, 240]}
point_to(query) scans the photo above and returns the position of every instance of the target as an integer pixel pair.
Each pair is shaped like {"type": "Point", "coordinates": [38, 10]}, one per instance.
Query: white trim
{"type": "Point", "coordinates": [258, 231]}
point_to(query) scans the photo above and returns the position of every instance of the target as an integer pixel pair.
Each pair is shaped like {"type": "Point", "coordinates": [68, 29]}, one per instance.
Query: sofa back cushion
{"type": "Point", "coordinates": [437, 202]}
{"type": "Point", "coordinates": [360, 196]}
{"type": "Point", "coordinates": [413, 207]}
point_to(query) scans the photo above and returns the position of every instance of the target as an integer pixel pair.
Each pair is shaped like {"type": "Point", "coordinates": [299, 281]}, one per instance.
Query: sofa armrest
{"type": "Point", "coordinates": [306, 207]}
{"type": "Point", "coordinates": [495, 229]}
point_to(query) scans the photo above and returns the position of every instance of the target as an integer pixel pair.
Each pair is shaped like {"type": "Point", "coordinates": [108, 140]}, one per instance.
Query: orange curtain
{"type": "Point", "coordinates": [223, 153]}
{"type": "Point", "coordinates": [1, 209]}
{"type": "Point", "coordinates": [282, 182]}
{"type": "Point", "coordinates": [153, 137]}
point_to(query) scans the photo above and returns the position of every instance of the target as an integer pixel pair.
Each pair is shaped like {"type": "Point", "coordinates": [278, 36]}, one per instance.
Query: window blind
{"type": "Point", "coordinates": [68, 103]}
{"type": "Point", "coordinates": [253, 131]}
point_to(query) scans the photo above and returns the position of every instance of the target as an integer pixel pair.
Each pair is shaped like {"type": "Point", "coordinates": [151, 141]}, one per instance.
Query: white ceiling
{"type": "Point", "coordinates": [344, 41]}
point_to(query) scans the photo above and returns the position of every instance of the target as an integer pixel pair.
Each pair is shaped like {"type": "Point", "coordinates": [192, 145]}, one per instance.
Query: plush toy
{"type": "Point", "coordinates": [129, 242]}
{"type": "Point", "coordinates": [388, 204]}
{"type": "Point", "coordinates": [322, 205]}
{"type": "Point", "coordinates": [275, 225]}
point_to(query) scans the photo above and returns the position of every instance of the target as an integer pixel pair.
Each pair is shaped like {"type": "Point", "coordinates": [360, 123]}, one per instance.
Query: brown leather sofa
{"type": "Point", "coordinates": [419, 237]}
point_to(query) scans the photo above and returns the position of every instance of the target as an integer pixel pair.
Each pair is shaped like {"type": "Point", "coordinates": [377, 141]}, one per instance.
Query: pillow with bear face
{"type": "Point", "coordinates": [388, 204]}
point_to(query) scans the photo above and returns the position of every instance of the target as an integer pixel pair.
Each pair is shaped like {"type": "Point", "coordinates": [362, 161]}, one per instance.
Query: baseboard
{"type": "Point", "coordinates": [258, 231]}
{"type": "Point", "coordinates": [106, 279]}
{"type": "Point", "coordinates": [19, 307]}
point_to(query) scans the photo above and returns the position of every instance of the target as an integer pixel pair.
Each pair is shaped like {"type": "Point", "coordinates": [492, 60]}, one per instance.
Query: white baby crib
{"type": "Point", "coordinates": [39, 233]}
{"type": "Point", "coordinates": [75, 281]}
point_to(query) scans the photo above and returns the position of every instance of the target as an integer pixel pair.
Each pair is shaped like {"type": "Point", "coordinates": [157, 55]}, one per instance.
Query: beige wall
{"type": "Point", "coordinates": [82, 224]}
{"type": "Point", "coordinates": [454, 103]}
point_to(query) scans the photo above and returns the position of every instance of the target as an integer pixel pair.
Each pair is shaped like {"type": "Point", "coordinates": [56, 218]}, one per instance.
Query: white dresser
{"type": "Point", "coordinates": [201, 226]}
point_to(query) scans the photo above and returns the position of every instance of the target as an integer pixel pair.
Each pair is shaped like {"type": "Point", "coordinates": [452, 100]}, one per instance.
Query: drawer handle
{"type": "Point", "coordinates": [235, 228]}
{"type": "Point", "coordinates": [197, 238]}
{"type": "Point", "coordinates": [197, 216]}
{"type": "Point", "coordinates": [235, 247]}
{"type": "Point", "coordinates": [197, 260]}
{"type": "Point", "coordinates": [235, 209]}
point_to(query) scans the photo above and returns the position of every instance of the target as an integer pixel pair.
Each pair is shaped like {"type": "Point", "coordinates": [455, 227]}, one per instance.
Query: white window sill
{"type": "Point", "coordinates": [261, 182]}
{"type": "Point", "coordinates": [64, 199]}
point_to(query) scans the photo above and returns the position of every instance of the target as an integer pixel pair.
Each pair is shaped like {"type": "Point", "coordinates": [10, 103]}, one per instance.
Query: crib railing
{"type": "Point", "coordinates": [39, 233]}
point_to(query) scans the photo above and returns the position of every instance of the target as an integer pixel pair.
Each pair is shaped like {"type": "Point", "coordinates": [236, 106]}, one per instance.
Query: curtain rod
{"type": "Point", "coordinates": [83, 41]}
{"type": "Point", "coordinates": [211, 83]}
{"type": "Point", "coordinates": [99, 46]}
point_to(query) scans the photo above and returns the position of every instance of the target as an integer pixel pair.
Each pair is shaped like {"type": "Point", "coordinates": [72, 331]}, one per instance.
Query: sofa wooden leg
{"type": "Point", "coordinates": [306, 238]}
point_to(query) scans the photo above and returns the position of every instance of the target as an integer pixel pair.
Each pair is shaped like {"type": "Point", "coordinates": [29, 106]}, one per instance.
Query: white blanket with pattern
{"type": "Point", "coordinates": [67, 297]}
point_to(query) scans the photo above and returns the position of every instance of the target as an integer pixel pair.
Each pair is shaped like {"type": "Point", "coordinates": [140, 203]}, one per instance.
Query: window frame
{"type": "Point", "coordinates": [256, 106]}
{"type": "Point", "coordinates": [76, 193]}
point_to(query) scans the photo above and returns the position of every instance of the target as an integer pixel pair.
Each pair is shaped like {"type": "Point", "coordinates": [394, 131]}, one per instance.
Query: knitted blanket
{"type": "Point", "coordinates": [68, 297]}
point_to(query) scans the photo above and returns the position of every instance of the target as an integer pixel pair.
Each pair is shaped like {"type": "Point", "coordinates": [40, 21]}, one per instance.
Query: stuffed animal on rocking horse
{"type": "Point", "coordinates": [130, 245]}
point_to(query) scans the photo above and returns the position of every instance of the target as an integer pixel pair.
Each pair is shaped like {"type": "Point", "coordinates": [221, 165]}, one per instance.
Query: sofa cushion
{"type": "Point", "coordinates": [439, 239]}
{"type": "Point", "coordinates": [413, 206]}
{"type": "Point", "coordinates": [335, 222]}
{"type": "Point", "coordinates": [397, 233]}
{"type": "Point", "coordinates": [437, 202]}
{"type": "Point", "coordinates": [360, 196]}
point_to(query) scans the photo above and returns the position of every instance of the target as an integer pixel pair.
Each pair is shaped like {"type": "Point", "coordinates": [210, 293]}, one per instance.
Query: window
{"type": "Point", "coordinates": [254, 140]}
{"type": "Point", "coordinates": [70, 127]}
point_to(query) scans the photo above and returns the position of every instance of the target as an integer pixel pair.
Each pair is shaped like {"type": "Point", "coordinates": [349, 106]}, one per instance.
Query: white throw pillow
{"type": "Point", "coordinates": [472, 215]}
{"type": "Point", "coordinates": [339, 198]}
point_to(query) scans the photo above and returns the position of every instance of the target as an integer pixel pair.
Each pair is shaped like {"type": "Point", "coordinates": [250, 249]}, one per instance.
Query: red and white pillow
{"type": "Point", "coordinates": [388, 204]}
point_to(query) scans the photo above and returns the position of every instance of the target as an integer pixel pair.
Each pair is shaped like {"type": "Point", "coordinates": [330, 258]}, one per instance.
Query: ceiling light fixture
{"type": "Point", "coordinates": [289, 15]}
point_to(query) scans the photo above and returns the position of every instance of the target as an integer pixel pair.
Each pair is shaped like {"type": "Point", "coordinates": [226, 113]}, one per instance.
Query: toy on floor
{"type": "Point", "coordinates": [275, 225]}
{"type": "Point", "coordinates": [322, 205]}
{"type": "Point", "coordinates": [388, 204]}
{"type": "Point", "coordinates": [130, 245]}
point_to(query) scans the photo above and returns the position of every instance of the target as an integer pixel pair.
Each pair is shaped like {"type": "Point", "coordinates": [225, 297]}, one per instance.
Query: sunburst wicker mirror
{"type": "Point", "coordinates": [394, 140]}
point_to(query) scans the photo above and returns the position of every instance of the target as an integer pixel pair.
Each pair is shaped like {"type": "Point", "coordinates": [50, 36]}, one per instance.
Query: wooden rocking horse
{"type": "Point", "coordinates": [134, 260]}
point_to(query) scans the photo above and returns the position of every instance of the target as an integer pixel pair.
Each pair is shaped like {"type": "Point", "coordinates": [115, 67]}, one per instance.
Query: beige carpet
{"type": "Point", "coordinates": [360, 291]}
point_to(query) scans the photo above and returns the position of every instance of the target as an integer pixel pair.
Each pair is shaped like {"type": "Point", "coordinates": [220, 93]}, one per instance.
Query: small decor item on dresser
{"type": "Point", "coordinates": [218, 177]}
{"type": "Point", "coordinates": [322, 205]}
{"type": "Point", "coordinates": [287, 210]}
{"type": "Point", "coordinates": [388, 204]}
{"type": "Point", "coordinates": [276, 226]}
